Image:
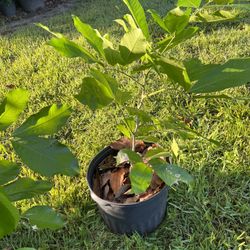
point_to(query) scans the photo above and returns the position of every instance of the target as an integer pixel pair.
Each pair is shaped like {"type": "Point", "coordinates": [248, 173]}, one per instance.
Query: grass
{"type": "Point", "coordinates": [214, 215]}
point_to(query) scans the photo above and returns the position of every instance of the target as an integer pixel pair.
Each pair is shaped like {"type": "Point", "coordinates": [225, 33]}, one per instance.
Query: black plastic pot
{"type": "Point", "coordinates": [31, 5]}
{"type": "Point", "coordinates": [142, 217]}
{"type": "Point", "coordinates": [8, 8]}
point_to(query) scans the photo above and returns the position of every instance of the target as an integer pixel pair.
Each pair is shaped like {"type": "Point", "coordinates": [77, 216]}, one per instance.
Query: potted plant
{"type": "Point", "coordinates": [129, 179]}
{"type": "Point", "coordinates": [8, 7]}
{"type": "Point", "coordinates": [31, 5]}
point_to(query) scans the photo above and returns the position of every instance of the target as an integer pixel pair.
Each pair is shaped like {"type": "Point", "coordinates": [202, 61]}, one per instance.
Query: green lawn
{"type": "Point", "coordinates": [214, 215]}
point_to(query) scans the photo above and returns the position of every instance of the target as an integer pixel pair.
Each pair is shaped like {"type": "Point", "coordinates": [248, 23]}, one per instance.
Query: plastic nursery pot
{"type": "Point", "coordinates": [141, 217]}
{"type": "Point", "coordinates": [8, 8]}
{"type": "Point", "coordinates": [31, 5]}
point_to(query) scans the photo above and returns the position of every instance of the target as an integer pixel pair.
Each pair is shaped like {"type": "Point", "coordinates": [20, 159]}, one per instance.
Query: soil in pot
{"type": "Point", "coordinates": [8, 8]}
{"type": "Point", "coordinates": [112, 183]}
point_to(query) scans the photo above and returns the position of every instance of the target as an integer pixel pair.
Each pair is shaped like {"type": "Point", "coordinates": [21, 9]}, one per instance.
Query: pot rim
{"type": "Point", "coordinates": [99, 199]}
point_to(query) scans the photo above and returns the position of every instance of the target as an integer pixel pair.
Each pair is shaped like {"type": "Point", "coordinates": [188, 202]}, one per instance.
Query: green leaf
{"type": "Point", "coordinates": [112, 85]}
{"type": "Point", "coordinates": [142, 115]}
{"type": "Point", "coordinates": [112, 55]}
{"type": "Point", "coordinates": [90, 34]}
{"type": "Point", "coordinates": [138, 13]}
{"type": "Point", "coordinates": [14, 103]}
{"type": "Point", "coordinates": [122, 23]}
{"type": "Point", "coordinates": [94, 94]}
{"type": "Point", "coordinates": [44, 217]}
{"type": "Point", "coordinates": [175, 148]}
{"type": "Point", "coordinates": [171, 41]}
{"type": "Point", "coordinates": [144, 130]}
{"type": "Point", "coordinates": [121, 157]}
{"type": "Point", "coordinates": [149, 139]}
{"type": "Point", "coordinates": [217, 16]}
{"type": "Point", "coordinates": [9, 216]}
{"type": "Point", "coordinates": [223, 1]}
{"type": "Point", "coordinates": [170, 174]}
{"type": "Point", "coordinates": [70, 49]}
{"type": "Point", "coordinates": [176, 20]}
{"type": "Point", "coordinates": [129, 19]}
{"type": "Point", "coordinates": [26, 188]}
{"type": "Point", "coordinates": [189, 3]}
{"type": "Point", "coordinates": [156, 153]}
{"type": "Point", "coordinates": [174, 71]}
{"type": "Point", "coordinates": [140, 177]}
{"type": "Point", "coordinates": [66, 47]}
{"type": "Point", "coordinates": [216, 77]}
{"type": "Point", "coordinates": [8, 171]}
{"type": "Point", "coordinates": [133, 46]}
{"type": "Point", "coordinates": [46, 156]}
{"type": "Point", "coordinates": [182, 129]}
{"type": "Point", "coordinates": [132, 156]}
{"type": "Point", "coordinates": [124, 130]}
{"type": "Point", "coordinates": [156, 17]}
{"type": "Point", "coordinates": [47, 121]}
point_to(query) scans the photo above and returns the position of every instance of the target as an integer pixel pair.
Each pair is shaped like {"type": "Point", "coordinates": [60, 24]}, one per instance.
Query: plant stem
{"type": "Point", "coordinates": [131, 77]}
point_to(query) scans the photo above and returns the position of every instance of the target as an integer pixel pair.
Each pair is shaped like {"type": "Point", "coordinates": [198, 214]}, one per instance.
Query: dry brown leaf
{"type": "Point", "coordinates": [104, 178]}
{"type": "Point", "coordinates": [121, 143]}
{"type": "Point", "coordinates": [96, 185]}
{"type": "Point", "coordinates": [105, 192]}
{"type": "Point", "coordinates": [122, 190]}
{"type": "Point", "coordinates": [146, 196]}
{"type": "Point", "coordinates": [116, 179]}
{"type": "Point", "coordinates": [131, 199]}
{"type": "Point", "coordinates": [156, 181]}
{"type": "Point", "coordinates": [127, 143]}
{"type": "Point", "coordinates": [108, 162]}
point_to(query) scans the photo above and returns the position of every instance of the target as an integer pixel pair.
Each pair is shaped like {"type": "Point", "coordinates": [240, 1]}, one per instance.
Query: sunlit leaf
{"type": "Point", "coordinates": [12, 106]}
{"type": "Point", "coordinates": [170, 173]}
{"type": "Point", "coordinates": [46, 122]}
{"type": "Point", "coordinates": [90, 34]}
{"type": "Point", "coordinates": [9, 216]}
{"type": "Point", "coordinates": [175, 148]}
{"type": "Point", "coordinates": [176, 20]}
{"type": "Point", "coordinates": [189, 3]}
{"type": "Point", "coordinates": [70, 49]}
{"type": "Point", "coordinates": [138, 13]}
{"type": "Point", "coordinates": [216, 77]}
{"type": "Point", "coordinates": [94, 94]}
{"type": "Point", "coordinates": [133, 46]}
{"type": "Point", "coordinates": [171, 41]}
{"type": "Point", "coordinates": [174, 71]}
{"type": "Point", "coordinates": [140, 177]}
